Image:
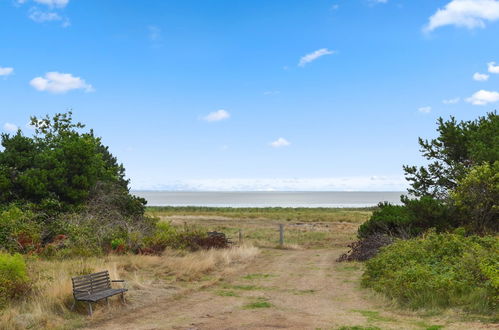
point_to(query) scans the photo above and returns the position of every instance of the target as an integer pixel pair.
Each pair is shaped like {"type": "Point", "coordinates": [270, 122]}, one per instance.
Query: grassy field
{"type": "Point", "coordinates": [258, 277]}
{"type": "Point", "coordinates": [147, 277]}
{"type": "Point", "coordinates": [304, 227]}
{"type": "Point", "coordinates": [354, 215]}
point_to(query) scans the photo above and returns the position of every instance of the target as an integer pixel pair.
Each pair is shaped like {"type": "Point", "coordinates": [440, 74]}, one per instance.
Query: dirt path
{"type": "Point", "coordinates": [281, 289]}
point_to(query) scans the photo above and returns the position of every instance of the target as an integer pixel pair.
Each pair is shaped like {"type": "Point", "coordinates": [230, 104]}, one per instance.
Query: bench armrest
{"type": "Point", "coordinates": [120, 281]}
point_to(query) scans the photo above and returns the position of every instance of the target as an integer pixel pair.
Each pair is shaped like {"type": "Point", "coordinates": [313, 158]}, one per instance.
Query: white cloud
{"type": "Point", "coordinates": [217, 115]}
{"type": "Point", "coordinates": [52, 3]}
{"type": "Point", "coordinates": [6, 71]}
{"type": "Point", "coordinates": [464, 13]}
{"type": "Point", "coordinates": [493, 68]}
{"type": "Point", "coordinates": [315, 55]}
{"type": "Point", "coordinates": [452, 101]}
{"type": "Point", "coordinates": [51, 15]}
{"type": "Point", "coordinates": [425, 109]}
{"type": "Point", "coordinates": [280, 142]}
{"type": "Point", "coordinates": [42, 16]}
{"type": "Point", "coordinates": [480, 76]}
{"type": "Point", "coordinates": [11, 128]}
{"type": "Point", "coordinates": [483, 97]}
{"type": "Point", "coordinates": [58, 83]}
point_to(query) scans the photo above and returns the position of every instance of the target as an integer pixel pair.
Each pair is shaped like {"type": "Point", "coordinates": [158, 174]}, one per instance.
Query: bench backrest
{"type": "Point", "coordinates": [90, 284]}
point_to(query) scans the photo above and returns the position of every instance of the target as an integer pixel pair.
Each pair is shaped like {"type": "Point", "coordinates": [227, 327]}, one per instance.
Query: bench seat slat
{"type": "Point", "coordinates": [101, 295]}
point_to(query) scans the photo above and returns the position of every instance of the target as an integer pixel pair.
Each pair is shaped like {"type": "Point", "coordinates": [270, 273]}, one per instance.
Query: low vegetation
{"type": "Point", "coordinates": [50, 298]}
{"type": "Point", "coordinates": [445, 236]}
{"type": "Point", "coordinates": [14, 281]}
{"type": "Point", "coordinates": [438, 271]}
{"type": "Point", "coordinates": [269, 213]}
{"type": "Point", "coordinates": [66, 210]}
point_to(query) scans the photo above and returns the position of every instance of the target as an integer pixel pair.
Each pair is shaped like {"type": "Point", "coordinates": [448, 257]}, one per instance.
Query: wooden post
{"type": "Point", "coordinates": [240, 236]}
{"type": "Point", "coordinates": [281, 235]}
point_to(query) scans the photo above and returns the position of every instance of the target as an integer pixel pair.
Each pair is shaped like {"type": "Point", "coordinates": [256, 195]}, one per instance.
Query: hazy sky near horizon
{"type": "Point", "coordinates": [252, 95]}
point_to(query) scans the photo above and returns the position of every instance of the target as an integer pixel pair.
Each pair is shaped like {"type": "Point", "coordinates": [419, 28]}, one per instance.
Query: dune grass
{"type": "Point", "coordinates": [354, 215]}
{"type": "Point", "coordinates": [48, 304]}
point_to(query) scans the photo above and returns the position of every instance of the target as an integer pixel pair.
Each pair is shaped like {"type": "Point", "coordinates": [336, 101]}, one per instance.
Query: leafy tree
{"type": "Point", "coordinates": [459, 146]}
{"type": "Point", "coordinates": [58, 166]}
{"type": "Point", "coordinates": [476, 198]}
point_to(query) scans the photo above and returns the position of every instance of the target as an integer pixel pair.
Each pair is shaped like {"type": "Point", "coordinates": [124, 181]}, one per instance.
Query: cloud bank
{"type": "Point", "coordinates": [359, 183]}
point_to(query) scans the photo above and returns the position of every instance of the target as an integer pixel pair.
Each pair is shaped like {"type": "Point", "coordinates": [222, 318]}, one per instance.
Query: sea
{"type": "Point", "coordinates": [331, 199]}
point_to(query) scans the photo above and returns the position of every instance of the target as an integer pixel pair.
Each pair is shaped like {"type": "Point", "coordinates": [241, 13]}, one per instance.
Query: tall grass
{"type": "Point", "coordinates": [354, 215]}
{"type": "Point", "coordinates": [48, 305]}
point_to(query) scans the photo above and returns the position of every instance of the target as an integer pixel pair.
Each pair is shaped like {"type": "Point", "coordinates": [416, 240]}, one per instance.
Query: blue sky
{"type": "Point", "coordinates": [252, 95]}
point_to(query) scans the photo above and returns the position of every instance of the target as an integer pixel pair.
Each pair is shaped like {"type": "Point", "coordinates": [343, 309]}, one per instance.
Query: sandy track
{"type": "Point", "coordinates": [306, 290]}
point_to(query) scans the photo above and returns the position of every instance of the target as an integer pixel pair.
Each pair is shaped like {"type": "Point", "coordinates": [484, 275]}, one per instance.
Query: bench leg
{"type": "Point", "coordinates": [107, 302]}
{"type": "Point", "coordinates": [123, 298]}
{"type": "Point", "coordinates": [73, 306]}
{"type": "Point", "coordinates": [89, 309]}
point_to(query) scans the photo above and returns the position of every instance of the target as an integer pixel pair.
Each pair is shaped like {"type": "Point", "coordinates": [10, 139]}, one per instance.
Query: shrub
{"type": "Point", "coordinates": [476, 198]}
{"type": "Point", "coordinates": [164, 235]}
{"type": "Point", "coordinates": [428, 212]}
{"type": "Point", "coordinates": [14, 281]}
{"type": "Point", "coordinates": [394, 220]}
{"type": "Point", "coordinates": [18, 231]}
{"type": "Point", "coordinates": [189, 238]}
{"type": "Point", "coordinates": [440, 270]}
{"type": "Point", "coordinates": [409, 220]}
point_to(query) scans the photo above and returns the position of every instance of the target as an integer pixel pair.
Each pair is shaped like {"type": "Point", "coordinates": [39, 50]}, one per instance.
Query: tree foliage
{"type": "Point", "coordinates": [459, 147]}
{"type": "Point", "coordinates": [59, 165]}
{"type": "Point", "coordinates": [476, 198]}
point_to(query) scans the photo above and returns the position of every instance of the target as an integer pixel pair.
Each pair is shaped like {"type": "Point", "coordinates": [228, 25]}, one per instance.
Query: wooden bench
{"type": "Point", "coordinates": [94, 287]}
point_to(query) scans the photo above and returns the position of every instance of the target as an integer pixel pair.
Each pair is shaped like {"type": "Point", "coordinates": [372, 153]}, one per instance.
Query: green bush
{"type": "Point", "coordinates": [164, 235]}
{"type": "Point", "coordinates": [476, 198]}
{"type": "Point", "coordinates": [14, 281]}
{"type": "Point", "coordinates": [409, 220]}
{"type": "Point", "coordinates": [388, 219]}
{"type": "Point", "coordinates": [440, 270]}
{"type": "Point", "coordinates": [167, 236]}
{"type": "Point", "coordinates": [18, 231]}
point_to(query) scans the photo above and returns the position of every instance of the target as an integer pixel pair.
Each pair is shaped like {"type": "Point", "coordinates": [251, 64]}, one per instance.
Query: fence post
{"type": "Point", "coordinates": [281, 235]}
{"type": "Point", "coordinates": [240, 236]}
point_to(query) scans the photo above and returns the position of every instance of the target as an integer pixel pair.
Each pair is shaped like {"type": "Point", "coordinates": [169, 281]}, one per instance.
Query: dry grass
{"type": "Point", "coordinates": [48, 304]}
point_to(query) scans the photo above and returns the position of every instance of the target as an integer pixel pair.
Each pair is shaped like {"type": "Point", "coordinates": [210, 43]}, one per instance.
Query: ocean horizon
{"type": "Point", "coordinates": [306, 199]}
